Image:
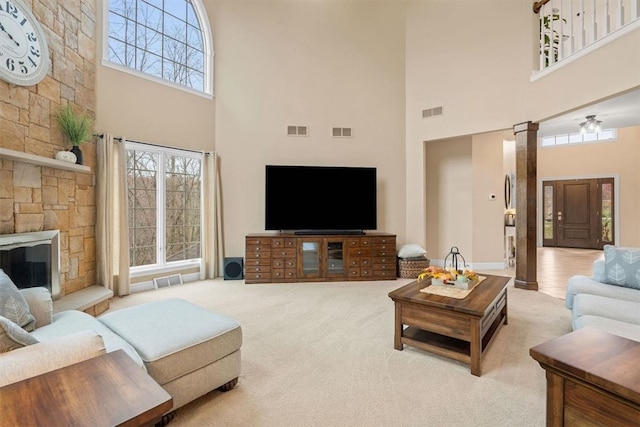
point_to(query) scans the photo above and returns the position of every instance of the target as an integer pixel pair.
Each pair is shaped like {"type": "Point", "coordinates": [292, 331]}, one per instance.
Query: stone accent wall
{"type": "Point", "coordinates": [36, 198]}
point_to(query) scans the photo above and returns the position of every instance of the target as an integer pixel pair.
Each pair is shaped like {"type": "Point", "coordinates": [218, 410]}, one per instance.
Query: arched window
{"type": "Point", "coordinates": [165, 39]}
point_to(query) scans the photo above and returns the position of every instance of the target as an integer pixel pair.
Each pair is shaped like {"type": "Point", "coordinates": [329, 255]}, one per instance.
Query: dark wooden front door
{"type": "Point", "coordinates": [578, 213]}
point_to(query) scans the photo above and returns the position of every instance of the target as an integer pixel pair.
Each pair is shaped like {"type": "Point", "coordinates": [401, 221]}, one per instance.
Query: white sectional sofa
{"type": "Point", "coordinates": [186, 349]}
{"type": "Point", "coordinates": [610, 298]}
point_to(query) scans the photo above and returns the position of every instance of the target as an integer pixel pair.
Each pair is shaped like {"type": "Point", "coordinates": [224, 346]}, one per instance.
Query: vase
{"type": "Point", "coordinates": [76, 150]}
{"type": "Point", "coordinates": [510, 219]}
{"type": "Point", "coordinates": [66, 156]}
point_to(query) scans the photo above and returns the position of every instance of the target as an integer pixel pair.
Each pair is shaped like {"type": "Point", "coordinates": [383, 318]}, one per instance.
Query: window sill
{"type": "Point", "coordinates": [135, 272]}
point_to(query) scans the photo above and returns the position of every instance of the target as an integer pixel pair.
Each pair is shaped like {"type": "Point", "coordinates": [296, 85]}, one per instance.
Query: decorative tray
{"type": "Point", "coordinates": [467, 284]}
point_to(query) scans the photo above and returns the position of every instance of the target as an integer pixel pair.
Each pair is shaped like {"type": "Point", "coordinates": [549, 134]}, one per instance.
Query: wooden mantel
{"type": "Point", "coordinates": [19, 156]}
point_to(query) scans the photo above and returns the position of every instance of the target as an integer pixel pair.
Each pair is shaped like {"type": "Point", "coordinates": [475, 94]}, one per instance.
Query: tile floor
{"type": "Point", "coordinates": [556, 265]}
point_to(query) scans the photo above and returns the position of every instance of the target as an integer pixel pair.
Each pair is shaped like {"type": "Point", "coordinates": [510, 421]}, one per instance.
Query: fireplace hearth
{"type": "Point", "coordinates": [32, 259]}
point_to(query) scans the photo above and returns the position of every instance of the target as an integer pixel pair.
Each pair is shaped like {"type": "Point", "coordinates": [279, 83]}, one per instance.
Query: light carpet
{"type": "Point", "coordinates": [321, 354]}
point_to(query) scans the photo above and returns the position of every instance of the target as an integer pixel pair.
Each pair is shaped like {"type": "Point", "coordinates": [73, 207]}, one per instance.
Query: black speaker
{"type": "Point", "coordinates": [233, 268]}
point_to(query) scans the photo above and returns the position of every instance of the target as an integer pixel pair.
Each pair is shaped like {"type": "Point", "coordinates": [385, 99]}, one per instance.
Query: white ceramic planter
{"type": "Point", "coordinates": [66, 156]}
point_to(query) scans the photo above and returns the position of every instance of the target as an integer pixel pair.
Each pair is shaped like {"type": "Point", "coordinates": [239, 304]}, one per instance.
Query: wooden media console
{"type": "Point", "coordinates": [288, 257]}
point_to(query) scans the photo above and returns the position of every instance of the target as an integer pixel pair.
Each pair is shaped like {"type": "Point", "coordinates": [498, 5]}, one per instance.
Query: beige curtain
{"type": "Point", "coordinates": [212, 254]}
{"type": "Point", "coordinates": [112, 228]}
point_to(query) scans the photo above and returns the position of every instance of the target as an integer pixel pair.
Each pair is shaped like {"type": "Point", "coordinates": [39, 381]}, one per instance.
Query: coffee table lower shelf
{"type": "Point", "coordinates": [438, 344]}
{"type": "Point", "coordinates": [452, 348]}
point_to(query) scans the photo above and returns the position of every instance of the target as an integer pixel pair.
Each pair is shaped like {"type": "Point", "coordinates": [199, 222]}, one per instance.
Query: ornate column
{"type": "Point", "coordinates": [526, 176]}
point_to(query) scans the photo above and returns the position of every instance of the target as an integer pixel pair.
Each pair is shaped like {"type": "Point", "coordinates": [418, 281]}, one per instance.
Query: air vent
{"type": "Point", "coordinates": [162, 282]}
{"type": "Point", "coordinates": [430, 112]}
{"type": "Point", "coordinates": [341, 132]}
{"type": "Point", "coordinates": [297, 130]}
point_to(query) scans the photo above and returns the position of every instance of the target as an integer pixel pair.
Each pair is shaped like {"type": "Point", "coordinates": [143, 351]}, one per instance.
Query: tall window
{"type": "Point", "coordinates": [166, 39]}
{"type": "Point", "coordinates": [165, 206]}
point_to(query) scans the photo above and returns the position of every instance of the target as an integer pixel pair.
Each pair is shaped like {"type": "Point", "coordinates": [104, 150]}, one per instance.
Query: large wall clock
{"type": "Point", "coordinates": [24, 55]}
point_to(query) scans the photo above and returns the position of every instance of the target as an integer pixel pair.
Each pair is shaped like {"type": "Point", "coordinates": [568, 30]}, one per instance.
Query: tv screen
{"type": "Point", "coordinates": [320, 198]}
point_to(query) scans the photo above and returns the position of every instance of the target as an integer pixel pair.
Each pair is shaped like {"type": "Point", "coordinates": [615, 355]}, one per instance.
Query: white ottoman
{"type": "Point", "coordinates": [188, 350]}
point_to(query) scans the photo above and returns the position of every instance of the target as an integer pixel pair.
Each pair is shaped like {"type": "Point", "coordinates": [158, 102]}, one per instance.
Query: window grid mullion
{"type": "Point", "coordinates": [135, 38]}
{"type": "Point", "coordinates": [161, 208]}
{"type": "Point", "coordinates": [193, 75]}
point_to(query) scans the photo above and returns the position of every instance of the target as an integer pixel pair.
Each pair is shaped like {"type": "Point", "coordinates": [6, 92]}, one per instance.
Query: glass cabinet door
{"type": "Point", "coordinates": [335, 258]}
{"type": "Point", "coordinates": [321, 257]}
{"type": "Point", "coordinates": [310, 258]}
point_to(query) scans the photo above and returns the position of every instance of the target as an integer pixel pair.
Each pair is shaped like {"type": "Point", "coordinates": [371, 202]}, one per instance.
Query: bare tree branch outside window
{"type": "Point", "coordinates": [162, 39]}
{"type": "Point", "coordinates": [179, 217]}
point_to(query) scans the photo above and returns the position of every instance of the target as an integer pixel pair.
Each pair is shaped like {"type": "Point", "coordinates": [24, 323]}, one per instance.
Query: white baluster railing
{"type": "Point", "coordinates": [571, 26]}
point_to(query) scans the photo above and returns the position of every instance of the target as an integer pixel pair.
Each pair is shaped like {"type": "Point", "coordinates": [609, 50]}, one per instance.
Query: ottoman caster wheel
{"type": "Point", "coordinates": [228, 386]}
{"type": "Point", "coordinates": [166, 419]}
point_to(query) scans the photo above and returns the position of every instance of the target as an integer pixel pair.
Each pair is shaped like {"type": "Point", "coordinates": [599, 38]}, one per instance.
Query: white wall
{"type": "Point", "coordinates": [318, 64]}
{"type": "Point", "coordinates": [488, 214]}
{"type": "Point", "coordinates": [461, 174]}
{"type": "Point", "coordinates": [449, 189]}
{"type": "Point", "coordinates": [471, 58]}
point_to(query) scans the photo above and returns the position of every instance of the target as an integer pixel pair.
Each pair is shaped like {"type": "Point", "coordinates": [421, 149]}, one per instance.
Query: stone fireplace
{"type": "Point", "coordinates": [32, 259]}
{"type": "Point", "coordinates": [43, 198]}
{"type": "Point", "coordinates": [37, 192]}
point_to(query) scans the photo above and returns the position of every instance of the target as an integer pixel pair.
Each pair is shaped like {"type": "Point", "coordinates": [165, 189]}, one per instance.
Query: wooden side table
{"type": "Point", "coordinates": [108, 390]}
{"type": "Point", "coordinates": [592, 379]}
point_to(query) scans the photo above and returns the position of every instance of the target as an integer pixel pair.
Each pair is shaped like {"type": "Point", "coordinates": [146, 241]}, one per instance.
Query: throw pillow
{"type": "Point", "coordinates": [13, 305]}
{"type": "Point", "coordinates": [622, 266]}
{"type": "Point", "coordinates": [411, 251]}
{"type": "Point", "coordinates": [13, 336]}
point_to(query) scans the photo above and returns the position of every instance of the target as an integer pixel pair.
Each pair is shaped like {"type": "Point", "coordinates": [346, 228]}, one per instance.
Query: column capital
{"type": "Point", "coordinates": [525, 127]}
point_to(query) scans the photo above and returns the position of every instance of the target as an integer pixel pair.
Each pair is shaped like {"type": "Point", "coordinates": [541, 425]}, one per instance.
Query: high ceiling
{"type": "Point", "coordinates": [620, 111]}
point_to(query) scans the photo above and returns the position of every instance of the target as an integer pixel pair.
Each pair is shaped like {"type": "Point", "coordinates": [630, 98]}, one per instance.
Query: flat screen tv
{"type": "Point", "coordinates": [320, 199]}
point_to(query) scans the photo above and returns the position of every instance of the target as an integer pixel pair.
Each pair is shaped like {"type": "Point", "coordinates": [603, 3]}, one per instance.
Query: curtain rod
{"type": "Point", "coordinates": [101, 135]}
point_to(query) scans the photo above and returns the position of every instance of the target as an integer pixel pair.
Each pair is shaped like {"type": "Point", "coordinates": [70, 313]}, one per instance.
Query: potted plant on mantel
{"type": "Point", "coordinates": [77, 128]}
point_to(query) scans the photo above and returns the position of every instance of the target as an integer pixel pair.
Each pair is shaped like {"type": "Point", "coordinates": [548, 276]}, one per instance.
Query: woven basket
{"type": "Point", "coordinates": [409, 269]}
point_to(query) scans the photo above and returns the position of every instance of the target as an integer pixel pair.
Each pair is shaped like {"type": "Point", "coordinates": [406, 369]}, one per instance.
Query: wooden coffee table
{"type": "Point", "coordinates": [460, 329]}
{"type": "Point", "coordinates": [108, 390]}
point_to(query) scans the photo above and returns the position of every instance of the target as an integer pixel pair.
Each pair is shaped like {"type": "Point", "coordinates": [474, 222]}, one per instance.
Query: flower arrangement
{"type": "Point", "coordinates": [447, 274]}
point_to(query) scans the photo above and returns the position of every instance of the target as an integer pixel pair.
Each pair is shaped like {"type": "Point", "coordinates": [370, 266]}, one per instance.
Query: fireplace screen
{"type": "Point", "coordinates": [31, 259]}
